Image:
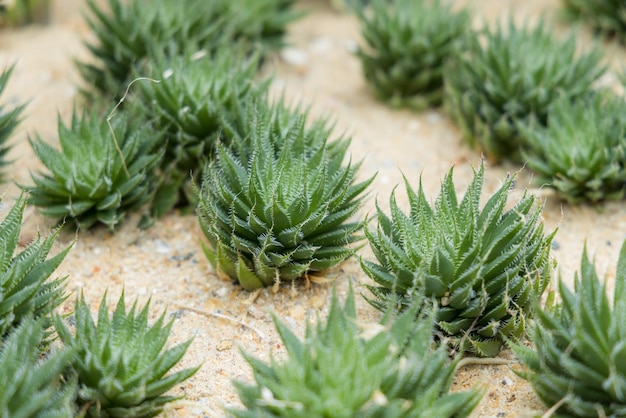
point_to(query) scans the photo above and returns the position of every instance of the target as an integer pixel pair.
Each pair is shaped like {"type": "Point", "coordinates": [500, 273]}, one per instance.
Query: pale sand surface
{"type": "Point", "coordinates": [166, 262]}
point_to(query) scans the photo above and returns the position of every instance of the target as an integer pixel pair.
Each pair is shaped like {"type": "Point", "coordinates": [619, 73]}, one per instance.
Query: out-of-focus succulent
{"type": "Point", "coordinates": [9, 119]}
{"type": "Point", "coordinates": [337, 371]}
{"type": "Point", "coordinates": [128, 32]}
{"type": "Point", "coordinates": [582, 151]}
{"type": "Point", "coordinates": [24, 12]}
{"type": "Point", "coordinates": [407, 43]}
{"type": "Point", "coordinates": [481, 268]}
{"type": "Point", "coordinates": [32, 387]}
{"type": "Point", "coordinates": [506, 76]}
{"type": "Point", "coordinates": [280, 206]}
{"type": "Point", "coordinates": [120, 362]}
{"type": "Point", "coordinates": [195, 93]}
{"type": "Point", "coordinates": [24, 289]}
{"type": "Point", "coordinates": [578, 365]}
{"type": "Point", "coordinates": [101, 171]}
{"type": "Point", "coordinates": [605, 16]}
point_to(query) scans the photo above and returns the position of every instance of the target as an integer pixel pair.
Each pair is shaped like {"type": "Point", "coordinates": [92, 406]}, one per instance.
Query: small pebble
{"type": "Point", "coordinates": [507, 381]}
{"type": "Point", "coordinates": [224, 345]}
{"type": "Point", "coordinates": [294, 56]}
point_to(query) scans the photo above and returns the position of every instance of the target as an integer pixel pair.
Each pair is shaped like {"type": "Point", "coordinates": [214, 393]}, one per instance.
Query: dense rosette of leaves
{"type": "Point", "coordinates": [506, 76]}
{"type": "Point", "coordinates": [579, 356]}
{"type": "Point", "coordinates": [581, 153]}
{"type": "Point", "coordinates": [481, 268]}
{"type": "Point", "coordinates": [337, 371]}
{"type": "Point", "coordinates": [194, 95]}
{"type": "Point", "coordinates": [279, 204]}
{"type": "Point", "coordinates": [24, 289]}
{"type": "Point", "coordinates": [9, 119]}
{"type": "Point", "coordinates": [128, 32]}
{"type": "Point", "coordinates": [605, 16]}
{"type": "Point", "coordinates": [31, 387]}
{"type": "Point", "coordinates": [407, 43]}
{"type": "Point", "coordinates": [120, 363]}
{"type": "Point", "coordinates": [101, 171]}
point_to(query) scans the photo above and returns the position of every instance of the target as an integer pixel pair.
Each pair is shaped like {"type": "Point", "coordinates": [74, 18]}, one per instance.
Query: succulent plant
{"type": "Point", "coordinates": [578, 365]}
{"type": "Point", "coordinates": [24, 289]}
{"type": "Point", "coordinates": [120, 362]}
{"type": "Point", "coordinates": [32, 387]}
{"type": "Point", "coordinates": [506, 76]}
{"type": "Point", "coordinates": [582, 151]}
{"type": "Point", "coordinates": [9, 119]}
{"type": "Point", "coordinates": [196, 92]}
{"type": "Point", "coordinates": [605, 16]}
{"type": "Point", "coordinates": [407, 43]}
{"type": "Point", "coordinates": [101, 171]}
{"type": "Point", "coordinates": [130, 31]}
{"type": "Point", "coordinates": [280, 206]}
{"type": "Point", "coordinates": [338, 371]}
{"type": "Point", "coordinates": [481, 268]}
{"type": "Point", "coordinates": [24, 12]}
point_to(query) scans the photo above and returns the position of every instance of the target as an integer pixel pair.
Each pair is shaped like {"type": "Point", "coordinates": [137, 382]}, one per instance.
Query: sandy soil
{"type": "Point", "coordinates": [166, 264]}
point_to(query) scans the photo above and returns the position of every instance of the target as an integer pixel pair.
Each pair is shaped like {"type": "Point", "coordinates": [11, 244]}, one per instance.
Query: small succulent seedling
{"type": "Point", "coordinates": [506, 76]}
{"type": "Point", "coordinates": [582, 151]}
{"type": "Point", "coordinates": [120, 362]}
{"type": "Point", "coordinates": [195, 93]}
{"type": "Point", "coordinates": [280, 206]}
{"type": "Point", "coordinates": [24, 289]}
{"type": "Point", "coordinates": [481, 268]}
{"type": "Point", "coordinates": [407, 43]}
{"type": "Point", "coordinates": [605, 16]}
{"type": "Point", "coordinates": [336, 371]}
{"type": "Point", "coordinates": [9, 119]}
{"type": "Point", "coordinates": [128, 32]}
{"type": "Point", "coordinates": [32, 387]}
{"type": "Point", "coordinates": [578, 365]}
{"type": "Point", "coordinates": [103, 170]}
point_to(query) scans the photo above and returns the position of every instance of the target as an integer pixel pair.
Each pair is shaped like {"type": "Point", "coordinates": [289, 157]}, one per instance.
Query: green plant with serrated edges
{"type": "Point", "coordinates": [25, 290]}
{"type": "Point", "coordinates": [101, 171]}
{"type": "Point", "coordinates": [32, 386]}
{"type": "Point", "coordinates": [121, 363]}
{"type": "Point", "coordinates": [336, 371]}
{"type": "Point", "coordinates": [578, 364]}
{"type": "Point", "coordinates": [279, 206]}
{"type": "Point", "coordinates": [482, 268]}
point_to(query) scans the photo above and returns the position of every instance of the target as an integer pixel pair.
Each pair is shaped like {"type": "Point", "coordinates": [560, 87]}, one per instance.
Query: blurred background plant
{"type": "Point", "coordinates": [510, 75]}
{"type": "Point", "coordinates": [24, 12]}
{"type": "Point", "coordinates": [407, 43]}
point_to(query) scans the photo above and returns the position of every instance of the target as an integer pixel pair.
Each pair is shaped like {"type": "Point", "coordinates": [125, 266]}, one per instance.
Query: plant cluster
{"type": "Point", "coordinates": [578, 365]}
{"type": "Point", "coordinates": [277, 205]}
{"type": "Point", "coordinates": [581, 153]}
{"type": "Point", "coordinates": [195, 96]}
{"type": "Point", "coordinates": [337, 371]}
{"type": "Point", "coordinates": [103, 169]}
{"type": "Point", "coordinates": [129, 32]}
{"type": "Point", "coordinates": [117, 368]}
{"type": "Point", "coordinates": [481, 268]}
{"type": "Point", "coordinates": [605, 16]}
{"type": "Point", "coordinates": [507, 76]}
{"type": "Point", "coordinates": [407, 43]}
